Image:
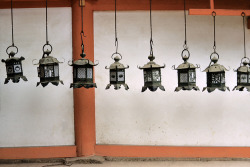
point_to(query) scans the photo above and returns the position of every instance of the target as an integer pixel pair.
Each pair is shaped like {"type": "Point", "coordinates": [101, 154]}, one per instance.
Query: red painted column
{"type": "Point", "coordinates": [84, 99]}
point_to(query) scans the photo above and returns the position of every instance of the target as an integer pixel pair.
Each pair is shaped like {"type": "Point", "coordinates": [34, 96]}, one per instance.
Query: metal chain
{"type": "Point", "coordinates": [151, 38]}
{"type": "Point", "coordinates": [244, 30]}
{"type": "Point", "coordinates": [214, 47]}
{"type": "Point", "coordinates": [12, 23]}
{"type": "Point", "coordinates": [116, 39]}
{"type": "Point", "coordinates": [82, 33]}
{"type": "Point", "coordinates": [47, 41]}
{"type": "Point", "coordinates": [185, 19]}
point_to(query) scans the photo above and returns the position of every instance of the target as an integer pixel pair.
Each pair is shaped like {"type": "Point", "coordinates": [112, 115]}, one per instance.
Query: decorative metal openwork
{"type": "Point", "coordinates": [186, 70]}
{"type": "Point", "coordinates": [151, 70]}
{"type": "Point", "coordinates": [117, 69]}
{"type": "Point", "coordinates": [13, 64]}
{"type": "Point", "coordinates": [215, 72]}
{"type": "Point", "coordinates": [48, 70]}
{"type": "Point", "coordinates": [83, 73]}
{"type": "Point", "coordinates": [243, 72]}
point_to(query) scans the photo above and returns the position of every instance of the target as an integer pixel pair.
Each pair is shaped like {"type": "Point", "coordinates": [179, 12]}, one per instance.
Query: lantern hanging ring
{"type": "Point", "coordinates": [116, 53]}
{"type": "Point", "coordinates": [245, 58]}
{"type": "Point", "coordinates": [214, 53]}
{"type": "Point", "coordinates": [12, 46]}
{"type": "Point", "coordinates": [47, 44]}
{"type": "Point", "coordinates": [243, 14]}
{"type": "Point", "coordinates": [188, 53]}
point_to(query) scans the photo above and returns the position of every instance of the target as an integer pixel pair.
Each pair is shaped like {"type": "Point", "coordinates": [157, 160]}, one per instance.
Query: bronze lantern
{"type": "Point", "coordinates": [215, 75]}
{"type": "Point", "coordinates": [243, 76]}
{"type": "Point", "coordinates": [186, 74]}
{"type": "Point", "coordinates": [14, 67]}
{"type": "Point", "coordinates": [243, 72]}
{"type": "Point", "coordinates": [48, 69]}
{"type": "Point", "coordinates": [152, 75]}
{"type": "Point", "coordinates": [117, 74]}
{"type": "Point", "coordinates": [83, 73]}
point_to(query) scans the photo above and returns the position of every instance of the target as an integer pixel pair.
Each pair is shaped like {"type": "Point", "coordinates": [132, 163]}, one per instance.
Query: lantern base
{"type": "Point", "coordinates": [241, 88]}
{"type": "Point", "coordinates": [211, 89]}
{"type": "Point", "coordinates": [118, 86]}
{"type": "Point", "coordinates": [15, 79]}
{"type": "Point", "coordinates": [196, 88]}
{"type": "Point", "coordinates": [56, 83]}
{"type": "Point", "coordinates": [85, 85]}
{"type": "Point", "coordinates": [152, 88]}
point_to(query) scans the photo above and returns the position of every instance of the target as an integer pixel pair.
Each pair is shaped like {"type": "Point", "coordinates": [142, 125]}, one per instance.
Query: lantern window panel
{"type": "Point", "coordinates": [56, 70]}
{"type": "Point", "coordinates": [49, 71]}
{"type": "Point", "coordinates": [81, 72]}
{"type": "Point", "coordinates": [149, 76]}
{"type": "Point", "coordinates": [222, 77]}
{"type": "Point", "coordinates": [156, 75]}
{"type": "Point", "coordinates": [192, 76]}
{"type": "Point", "coordinates": [183, 77]}
{"type": "Point", "coordinates": [121, 76]}
{"type": "Point", "coordinates": [9, 69]}
{"type": "Point", "coordinates": [216, 78]}
{"type": "Point", "coordinates": [17, 68]}
{"type": "Point", "coordinates": [74, 72]}
{"type": "Point", "coordinates": [145, 76]}
{"type": "Point", "coordinates": [243, 78]}
{"type": "Point", "coordinates": [89, 73]}
{"type": "Point", "coordinates": [113, 76]}
{"type": "Point", "coordinates": [249, 78]}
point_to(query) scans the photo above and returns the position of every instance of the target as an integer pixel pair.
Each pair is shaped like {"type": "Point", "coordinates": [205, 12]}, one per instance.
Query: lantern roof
{"type": "Point", "coordinates": [83, 61]}
{"type": "Point", "coordinates": [243, 68]}
{"type": "Point", "coordinates": [117, 64]}
{"type": "Point", "coordinates": [13, 59]}
{"type": "Point", "coordinates": [186, 65]}
{"type": "Point", "coordinates": [151, 64]}
{"type": "Point", "coordinates": [215, 68]}
{"type": "Point", "coordinates": [48, 60]}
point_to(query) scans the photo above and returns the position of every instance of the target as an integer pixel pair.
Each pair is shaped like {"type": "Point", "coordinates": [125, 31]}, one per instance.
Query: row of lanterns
{"type": "Point", "coordinates": [48, 66]}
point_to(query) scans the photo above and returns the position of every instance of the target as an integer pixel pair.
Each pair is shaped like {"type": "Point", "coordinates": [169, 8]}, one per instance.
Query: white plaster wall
{"type": "Point", "coordinates": [169, 118]}
{"type": "Point", "coordinates": [30, 115]}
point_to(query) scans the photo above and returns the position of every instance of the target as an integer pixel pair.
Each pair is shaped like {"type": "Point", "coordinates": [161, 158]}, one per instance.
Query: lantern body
{"type": "Point", "coordinates": [243, 77]}
{"type": "Point", "coordinates": [83, 73]}
{"type": "Point", "coordinates": [152, 75]}
{"type": "Point", "coordinates": [117, 74]}
{"type": "Point", "coordinates": [48, 70]}
{"type": "Point", "coordinates": [14, 69]}
{"type": "Point", "coordinates": [215, 77]}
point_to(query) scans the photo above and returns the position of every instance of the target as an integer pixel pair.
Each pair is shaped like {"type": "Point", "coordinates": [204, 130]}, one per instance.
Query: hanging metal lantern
{"type": "Point", "coordinates": [243, 72]}
{"type": "Point", "coordinates": [152, 75]}
{"type": "Point", "coordinates": [243, 76]}
{"type": "Point", "coordinates": [117, 73]}
{"type": "Point", "coordinates": [13, 64]}
{"type": "Point", "coordinates": [48, 70]}
{"type": "Point", "coordinates": [186, 74]}
{"type": "Point", "coordinates": [83, 73]}
{"type": "Point", "coordinates": [14, 67]}
{"type": "Point", "coordinates": [215, 75]}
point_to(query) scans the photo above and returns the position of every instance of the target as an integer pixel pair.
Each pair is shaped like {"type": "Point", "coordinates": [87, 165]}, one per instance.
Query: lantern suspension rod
{"type": "Point", "coordinates": [47, 41]}
{"type": "Point", "coordinates": [214, 47]}
{"type": "Point", "coordinates": [185, 19]}
{"type": "Point", "coordinates": [82, 33]}
{"type": "Point", "coordinates": [12, 23]}
{"type": "Point", "coordinates": [116, 39]}
{"type": "Point", "coordinates": [244, 30]}
{"type": "Point", "coordinates": [151, 31]}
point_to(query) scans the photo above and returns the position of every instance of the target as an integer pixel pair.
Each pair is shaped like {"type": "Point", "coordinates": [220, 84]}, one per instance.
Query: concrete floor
{"type": "Point", "coordinates": [142, 164]}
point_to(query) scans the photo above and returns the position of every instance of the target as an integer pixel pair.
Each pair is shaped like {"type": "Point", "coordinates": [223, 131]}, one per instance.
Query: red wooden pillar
{"type": "Point", "coordinates": [84, 99]}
